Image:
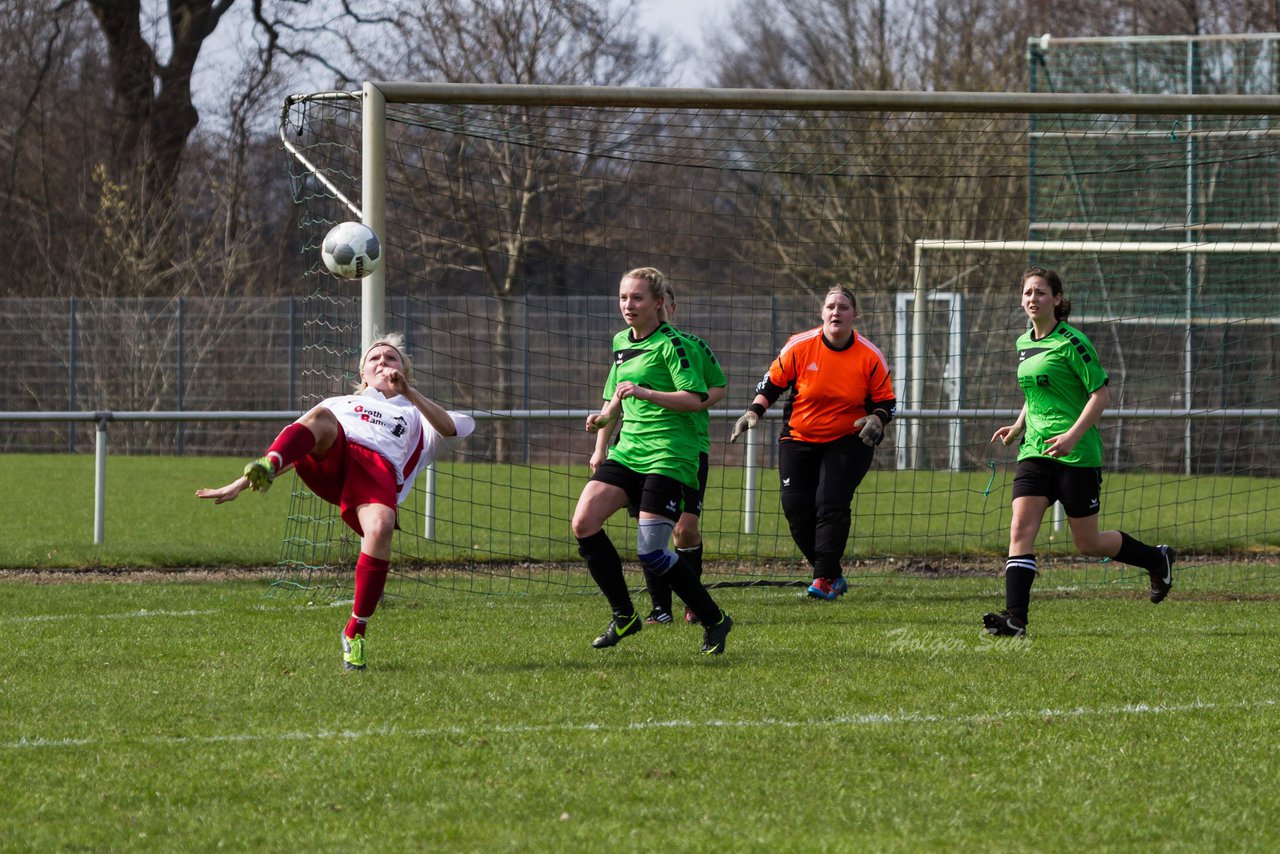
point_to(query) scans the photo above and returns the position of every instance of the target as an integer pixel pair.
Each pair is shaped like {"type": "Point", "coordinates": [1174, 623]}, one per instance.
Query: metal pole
{"type": "Point", "coordinates": [429, 504]}
{"type": "Point", "coordinates": [1189, 260]}
{"type": "Point", "coordinates": [293, 353]}
{"type": "Point", "coordinates": [182, 313]}
{"type": "Point", "coordinates": [71, 434]}
{"type": "Point", "coordinates": [373, 200]}
{"type": "Point", "coordinates": [100, 481]}
{"type": "Point", "coordinates": [751, 479]}
{"type": "Point", "coordinates": [916, 380]}
{"type": "Point", "coordinates": [397, 92]}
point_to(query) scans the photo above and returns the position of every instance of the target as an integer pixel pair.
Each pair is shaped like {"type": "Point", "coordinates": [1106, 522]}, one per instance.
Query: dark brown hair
{"type": "Point", "coordinates": [1062, 310]}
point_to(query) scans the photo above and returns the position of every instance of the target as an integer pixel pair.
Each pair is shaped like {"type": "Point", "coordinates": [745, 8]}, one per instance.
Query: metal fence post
{"type": "Point", "coordinates": [750, 484]}
{"type": "Point", "coordinates": [100, 478]}
{"type": "Point", "coordinates": [74, 354]}
{"type": "Point", "coordinates": [182, 311]}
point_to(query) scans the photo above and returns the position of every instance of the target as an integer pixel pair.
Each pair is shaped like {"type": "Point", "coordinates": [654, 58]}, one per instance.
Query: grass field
{"type": "Point", "coordinates": [194, 716]}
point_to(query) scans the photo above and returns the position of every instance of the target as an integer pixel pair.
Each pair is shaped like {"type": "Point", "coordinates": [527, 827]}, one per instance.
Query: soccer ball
{"type": "Point", "coordinates": [351, 250]}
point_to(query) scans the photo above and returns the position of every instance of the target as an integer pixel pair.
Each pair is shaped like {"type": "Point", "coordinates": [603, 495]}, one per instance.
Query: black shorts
{"type": "Point", "coordinates": [652, 493]}
{"type": "Point", "coordinates": [693, 497]}
{"type": "Point", "coordinates": [1078, 488]}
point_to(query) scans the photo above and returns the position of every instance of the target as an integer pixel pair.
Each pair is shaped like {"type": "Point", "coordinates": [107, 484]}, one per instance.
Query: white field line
{"type": "Point", "coordinates": [129, 615]}
{"type": "Point", "coordinates": [862, 720]}
{"type": "Point", "coordinates": [143, 613]}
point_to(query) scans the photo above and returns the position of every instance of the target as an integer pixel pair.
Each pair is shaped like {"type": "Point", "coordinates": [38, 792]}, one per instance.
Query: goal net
{"type": "Point", "coordinates": [510, 213]}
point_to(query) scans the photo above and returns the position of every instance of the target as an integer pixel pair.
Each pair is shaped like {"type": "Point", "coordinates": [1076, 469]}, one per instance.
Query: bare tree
{"type": "Point", "coordinates": [153, 99]}
{"type": "Point", "coordinates": [584, 42]}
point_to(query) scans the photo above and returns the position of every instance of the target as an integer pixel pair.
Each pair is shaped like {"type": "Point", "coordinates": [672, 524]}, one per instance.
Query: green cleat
{"type": "Point", "coordinates": [260, 473]}
{"type": "Point", "coordinates": [353, 652]}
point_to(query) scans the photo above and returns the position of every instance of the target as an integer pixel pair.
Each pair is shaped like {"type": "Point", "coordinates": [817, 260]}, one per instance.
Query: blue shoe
{"type": "Point", "coordinates": [821, 589]}
{"type": "Point", "coordinates": [840, 586]}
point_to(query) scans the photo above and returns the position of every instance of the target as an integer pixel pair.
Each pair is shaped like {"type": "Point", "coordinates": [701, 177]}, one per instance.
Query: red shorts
{"type": "Point", "coordinates": [349, 475]}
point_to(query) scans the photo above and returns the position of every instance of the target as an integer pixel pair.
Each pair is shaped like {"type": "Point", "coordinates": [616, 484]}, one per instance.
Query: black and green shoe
{"type": "Point", "coordinates": [619, 628]}
{"type": "Point", "coordinates": [713, 637]}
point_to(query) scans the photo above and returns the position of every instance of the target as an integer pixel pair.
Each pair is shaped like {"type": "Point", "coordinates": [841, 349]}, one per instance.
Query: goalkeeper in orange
{"type": "Point", "coordinates": [840, 400]}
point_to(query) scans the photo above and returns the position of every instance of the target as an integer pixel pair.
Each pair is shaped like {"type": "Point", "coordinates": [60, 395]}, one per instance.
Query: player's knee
{"type": "Point", "coordinates": [652, 536]}
{"type": "Point", "coordinates": [379, 529]}
{"type": "Point", "coordinates": [686, 533]}
{"type": "Point", "coordinates": [582, 528]}
{"type": "Point", "coordinates": [797, 506]}
{"type": "Point", "coordinates": [658, 561]}
{"type": "Point", "coordinates": [833, 513]}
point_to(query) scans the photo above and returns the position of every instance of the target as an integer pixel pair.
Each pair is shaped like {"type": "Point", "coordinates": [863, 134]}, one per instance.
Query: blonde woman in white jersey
{"type": "Point", "coordinates": [362, 452]}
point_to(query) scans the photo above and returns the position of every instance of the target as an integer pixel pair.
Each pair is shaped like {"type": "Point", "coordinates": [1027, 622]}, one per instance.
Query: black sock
{"type": "Point", "coordinates": [690, 589]}
{"type": "Point", "coordinates": [659, 590]}
{"type": "Point", "coordinates": [1137, 553]}
{"type": "Point", "coordinates": [606, 570]}
{"type": "Point", "coordinates": [1019, 575]}
{"type": "Point", "coordinates": [693, 556]}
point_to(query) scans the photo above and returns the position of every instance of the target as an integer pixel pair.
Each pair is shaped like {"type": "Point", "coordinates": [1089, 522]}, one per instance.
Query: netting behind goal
{"type": "Point", "coordinates": [509, 226]}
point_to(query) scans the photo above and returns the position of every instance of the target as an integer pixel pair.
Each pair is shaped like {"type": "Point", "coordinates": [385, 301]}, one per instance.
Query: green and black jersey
{"type": "Point", "coordinates": [704, 359]}
{"type": "Point", "coordinates": [1057, 374]}
{"type": "Point", "coordinates": [654, 439]}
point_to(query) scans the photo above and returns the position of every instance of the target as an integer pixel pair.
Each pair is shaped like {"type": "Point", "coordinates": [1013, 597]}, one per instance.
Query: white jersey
{"type": "Point", "coordinates": [396, 429]}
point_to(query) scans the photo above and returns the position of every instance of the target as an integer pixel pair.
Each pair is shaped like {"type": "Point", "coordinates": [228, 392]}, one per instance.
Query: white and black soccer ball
{"type": "Point", "coordinates": [351, 250]}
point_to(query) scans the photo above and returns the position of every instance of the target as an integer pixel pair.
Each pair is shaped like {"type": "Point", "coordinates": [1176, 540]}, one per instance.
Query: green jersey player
{"type": "Point", "coordinates": [654, 386]}
{"type": "Point", "coordinates": [1065, 390]}
{"type": "Point", "coordinates": [688, 537]}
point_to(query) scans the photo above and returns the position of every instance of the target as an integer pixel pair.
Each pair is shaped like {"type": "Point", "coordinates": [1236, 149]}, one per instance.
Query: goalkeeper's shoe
{"type": "Point", "coordinates": [840, 586]}
{"type": "Point", "coordinates": [713, 637]}
{"type": "Point", "coordinates": [260, 473]}
{"type": "Point", "coordinates": [353, 652]}
{"type": "Point", "coordinates": [1162, 574]}
{"type": "Point", "coordinates": [1004, 625]}
{"type": "Point", "coordinates": [821, 589]}
{"type": "Point", "coordinates": [657, 617]}
{"type": "Point", "coordinates": [619, 628]}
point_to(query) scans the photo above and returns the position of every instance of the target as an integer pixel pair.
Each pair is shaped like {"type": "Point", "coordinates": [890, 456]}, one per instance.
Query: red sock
{"type": "Point", "coordinates": [293, 443]}
{"type": "Point", "coordinates": [371, 578]}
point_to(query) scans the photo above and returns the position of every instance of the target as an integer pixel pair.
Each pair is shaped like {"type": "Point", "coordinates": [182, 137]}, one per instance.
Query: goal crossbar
{"type": "Point", "coordinates": [815, 99]}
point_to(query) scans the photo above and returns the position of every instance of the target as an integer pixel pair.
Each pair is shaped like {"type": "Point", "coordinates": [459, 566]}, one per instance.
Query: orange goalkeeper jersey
{"type": "Point", "coordinates": [831, 388]}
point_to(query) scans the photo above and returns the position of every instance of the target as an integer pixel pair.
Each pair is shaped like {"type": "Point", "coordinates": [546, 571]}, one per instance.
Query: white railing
{"type": "Point", "coordinates": [751, 466]}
